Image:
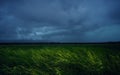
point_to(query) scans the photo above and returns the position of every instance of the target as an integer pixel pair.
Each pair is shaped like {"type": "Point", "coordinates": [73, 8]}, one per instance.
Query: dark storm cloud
{"type": "Point", "coordinates": [114, 13]}
{"type": "Point", "coordinates": [115, 16]}
{"type": "Point", "coordinates": [60, 20]}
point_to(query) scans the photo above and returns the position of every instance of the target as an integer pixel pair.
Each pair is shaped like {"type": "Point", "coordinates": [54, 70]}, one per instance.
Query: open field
{"type": "Point", "coordinates": [60, 59]}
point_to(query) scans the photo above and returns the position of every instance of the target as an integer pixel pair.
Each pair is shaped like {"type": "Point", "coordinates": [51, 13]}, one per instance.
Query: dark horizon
{"type": "Point", "coordinates": [54, 42]}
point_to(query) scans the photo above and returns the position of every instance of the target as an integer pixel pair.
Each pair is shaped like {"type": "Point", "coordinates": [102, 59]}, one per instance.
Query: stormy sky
{"type": "Point", "coordinates": [60, 20]}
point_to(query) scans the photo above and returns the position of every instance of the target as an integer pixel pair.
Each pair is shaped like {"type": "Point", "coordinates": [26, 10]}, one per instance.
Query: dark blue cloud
{"type": "Point", "coordinates": [60, 20]}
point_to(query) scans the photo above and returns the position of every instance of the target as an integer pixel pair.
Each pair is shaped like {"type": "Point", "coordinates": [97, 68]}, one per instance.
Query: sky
{"type": "Point", "coordinates": [60, 20]}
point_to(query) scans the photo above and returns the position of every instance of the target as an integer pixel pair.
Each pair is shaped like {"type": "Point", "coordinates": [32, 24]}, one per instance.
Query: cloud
{"type": "Point", "coordinates": [59, 20]}
{"type": "Point", "coordinates": [105, 34]}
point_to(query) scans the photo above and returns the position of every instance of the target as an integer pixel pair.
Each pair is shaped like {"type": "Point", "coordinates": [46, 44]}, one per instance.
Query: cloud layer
{"type": "Point", "coordinates": [60, 20]}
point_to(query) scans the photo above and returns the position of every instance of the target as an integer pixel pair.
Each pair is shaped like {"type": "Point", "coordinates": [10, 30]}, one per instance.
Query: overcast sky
{"type": "Point", "coordinates": [60, 20]}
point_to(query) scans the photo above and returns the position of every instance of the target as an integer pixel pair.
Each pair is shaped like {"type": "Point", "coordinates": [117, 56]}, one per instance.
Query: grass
{"type": "Point", "coordinates": [76, 59]}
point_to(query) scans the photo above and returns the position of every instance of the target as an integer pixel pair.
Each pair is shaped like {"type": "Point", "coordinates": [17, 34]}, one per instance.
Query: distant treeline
{"type": "Point", "coordinates": [36, 43]}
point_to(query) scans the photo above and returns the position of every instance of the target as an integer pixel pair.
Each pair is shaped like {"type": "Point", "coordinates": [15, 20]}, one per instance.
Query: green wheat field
{"type": "Point", "coordinates": [60, 59]}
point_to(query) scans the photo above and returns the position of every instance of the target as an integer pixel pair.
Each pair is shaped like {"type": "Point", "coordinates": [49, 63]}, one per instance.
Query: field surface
{"type": "Point", "coordinates": [60, 59]}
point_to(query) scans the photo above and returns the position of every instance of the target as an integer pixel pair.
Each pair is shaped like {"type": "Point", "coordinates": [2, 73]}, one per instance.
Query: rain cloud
{"type": "Point", "coordinates": [60, 20]}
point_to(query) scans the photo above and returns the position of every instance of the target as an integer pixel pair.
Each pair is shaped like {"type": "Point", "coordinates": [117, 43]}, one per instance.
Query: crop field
{"type": "Point", "coordinates": [60, 59]}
